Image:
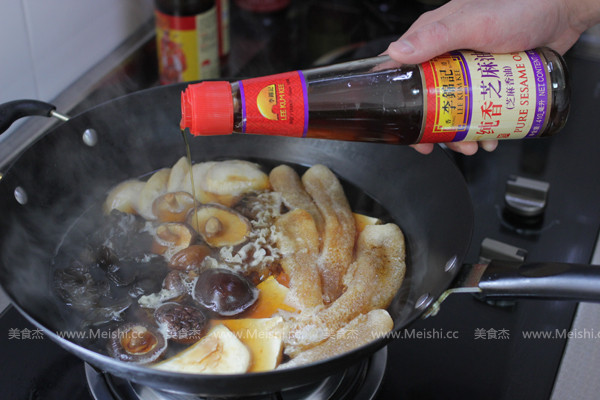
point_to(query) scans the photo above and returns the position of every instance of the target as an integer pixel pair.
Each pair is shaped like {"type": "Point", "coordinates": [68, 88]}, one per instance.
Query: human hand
{"type": "Point", "coordinates": [495, 26]}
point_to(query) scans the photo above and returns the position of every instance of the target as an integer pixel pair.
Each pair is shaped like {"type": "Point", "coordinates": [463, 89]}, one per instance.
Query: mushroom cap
{"type": "Point", "coordinates": [218, 225]}
{"type": "Point", "coordinates": [224, 293]}
{"type": "Point", "coordinates": [137, 343]}
{"type": "Point", "coordinates": [190, 258]}
{"type": "Point", "coordinates": [170, 237]}
{"type": "Point", "coordinates": [172, 206]}
{"type": "Point", "coordinates": [182, 323]}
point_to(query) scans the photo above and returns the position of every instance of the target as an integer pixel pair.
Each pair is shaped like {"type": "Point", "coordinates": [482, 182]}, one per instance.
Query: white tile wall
{"type": "Point", "coordinates": [47, 44]}
{"type": "Point", "coordinates": [16, 77]}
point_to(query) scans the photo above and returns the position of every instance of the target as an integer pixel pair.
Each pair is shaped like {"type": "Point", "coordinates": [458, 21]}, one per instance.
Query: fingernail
{"type": "Point", "coordinates": [488, 145]}
{"type": "Point", "coordinates": [403, 46]}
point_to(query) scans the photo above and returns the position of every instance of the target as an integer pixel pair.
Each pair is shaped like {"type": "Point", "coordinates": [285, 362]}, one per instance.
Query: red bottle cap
{"type": "Point", "coordinates": [207, 108]}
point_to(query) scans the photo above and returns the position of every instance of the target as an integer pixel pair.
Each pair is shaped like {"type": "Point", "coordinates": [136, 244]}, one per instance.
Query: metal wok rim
{"type": "Point", "coordinates": [318, 368]}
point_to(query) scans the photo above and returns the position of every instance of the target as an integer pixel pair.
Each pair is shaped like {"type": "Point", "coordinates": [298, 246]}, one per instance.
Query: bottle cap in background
{"type": "Point", "coordinates": [207, 108]}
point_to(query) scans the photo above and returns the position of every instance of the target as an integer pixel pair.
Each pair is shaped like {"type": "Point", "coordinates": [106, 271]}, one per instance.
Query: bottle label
{"type": "Point", "coordinates": [275, 104]}
{"type": "Point", "coordinates": [187, 46]}
{"type": "Point", "coordinates": [474, 96]}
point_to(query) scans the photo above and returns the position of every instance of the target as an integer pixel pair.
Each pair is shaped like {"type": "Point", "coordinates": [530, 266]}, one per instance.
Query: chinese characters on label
{"type": "Point", "coordinates": [475, 95]}
{"type": "Point", "coordinates": [491, 92]}
{"type": "Point", "coordinates": [448, 100]}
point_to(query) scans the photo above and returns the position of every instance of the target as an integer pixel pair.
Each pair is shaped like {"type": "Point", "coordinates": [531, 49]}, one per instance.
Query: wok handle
{"type": "Point", "coordinates": [13, 110]}
{"type": "Point", "coordinates": [561, 281]}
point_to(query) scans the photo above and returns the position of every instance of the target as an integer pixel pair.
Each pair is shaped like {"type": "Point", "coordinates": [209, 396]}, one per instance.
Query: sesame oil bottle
{"type": "Point", "coordinates": [459, 96]}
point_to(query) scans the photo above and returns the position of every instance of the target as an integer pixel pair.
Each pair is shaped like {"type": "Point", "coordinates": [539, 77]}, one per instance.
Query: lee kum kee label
{"type": "Point", "coordinates": [275, 104]}
{"type": "Point", "coordinates": [475, 95]}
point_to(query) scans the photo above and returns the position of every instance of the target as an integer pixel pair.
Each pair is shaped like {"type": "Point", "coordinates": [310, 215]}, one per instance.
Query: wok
{"type": "Point", "coordinates": [56, 179]}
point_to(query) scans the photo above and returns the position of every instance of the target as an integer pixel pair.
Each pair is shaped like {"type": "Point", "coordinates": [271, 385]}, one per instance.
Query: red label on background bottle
{"type": "Point", "coordinates": [187, 46]}
{"type": "Point", "coordinates": [275, 104]}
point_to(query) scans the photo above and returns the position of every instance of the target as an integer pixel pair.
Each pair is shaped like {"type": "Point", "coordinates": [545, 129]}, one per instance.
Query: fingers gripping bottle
{"type": "Point", "coordinates": [459, 96]}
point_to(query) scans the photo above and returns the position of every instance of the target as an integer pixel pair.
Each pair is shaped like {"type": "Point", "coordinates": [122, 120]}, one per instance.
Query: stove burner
{"type": "Point", "coordinates": [361, 381]}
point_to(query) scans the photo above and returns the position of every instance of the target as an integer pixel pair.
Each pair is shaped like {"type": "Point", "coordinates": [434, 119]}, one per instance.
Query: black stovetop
{"type": "Point", "coordinates": [486, 355]}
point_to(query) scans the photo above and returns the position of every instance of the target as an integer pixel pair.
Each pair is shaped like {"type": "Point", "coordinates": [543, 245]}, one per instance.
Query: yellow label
{"type": "Point", "coordinates": [187, 47]}
{"type": "Point", "coordinates": [477, 96]}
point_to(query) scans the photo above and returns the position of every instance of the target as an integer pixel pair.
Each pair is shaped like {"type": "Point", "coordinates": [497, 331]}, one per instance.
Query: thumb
{"type": "Point", "coordinates": [428, 41]}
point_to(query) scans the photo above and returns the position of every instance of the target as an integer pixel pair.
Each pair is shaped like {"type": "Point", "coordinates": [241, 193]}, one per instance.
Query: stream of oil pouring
{"type": "Point", "coordinates": [189, 159]}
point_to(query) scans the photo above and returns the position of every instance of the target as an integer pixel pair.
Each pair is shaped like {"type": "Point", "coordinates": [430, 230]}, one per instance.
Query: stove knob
{"type": "Point", "coordinates": [525, 199]}
{"type": "Point", "coordinates": [495, 250]}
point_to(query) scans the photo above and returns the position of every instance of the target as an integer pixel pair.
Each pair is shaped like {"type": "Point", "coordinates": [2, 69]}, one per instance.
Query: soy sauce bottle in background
{"type": "Point", "coordinates": [187, 39]}
{"type": "Point", "coordinates": [223, 18]}
{"type": "Point", "coordinates": [459, 96]}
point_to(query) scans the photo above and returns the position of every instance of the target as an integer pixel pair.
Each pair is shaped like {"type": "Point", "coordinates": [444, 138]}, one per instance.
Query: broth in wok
{"type": "Point", "coordinates": [258, 271]}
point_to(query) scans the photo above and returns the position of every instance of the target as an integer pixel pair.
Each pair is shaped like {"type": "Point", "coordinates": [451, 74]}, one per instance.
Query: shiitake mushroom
{"type": "Point", "coordinates": [78, 288]}
{"type": "Point", "coordinates": [172, 234]}
{"type": "Point", "coordinates": [190, 258]}
{"type": "Point", "coordinates": [224, 293]}
{"type": "Point", "coordinates": [137, 343]}
{"type": "Point", "coordinates": [173, 206]}
{"type": "Point", "coordinates": [183, 323]}
{"type": "Point", "coordinates": [218, 225]}
{"type": "Point", "coordinates": [173, 282]}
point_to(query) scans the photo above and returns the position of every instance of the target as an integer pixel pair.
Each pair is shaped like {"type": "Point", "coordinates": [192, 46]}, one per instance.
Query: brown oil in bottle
{"type": "Point", "coordinates": [458, 96]}
{"type": "Point", "coordinates": [380, 107]}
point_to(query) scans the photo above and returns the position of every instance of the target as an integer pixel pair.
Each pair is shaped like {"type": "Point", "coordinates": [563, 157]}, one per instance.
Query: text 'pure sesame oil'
{"type": "Point", "coordinates": [459, 96]}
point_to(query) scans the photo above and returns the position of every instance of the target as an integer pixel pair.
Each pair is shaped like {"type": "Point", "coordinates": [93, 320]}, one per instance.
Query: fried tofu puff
{"type": "Point", "coordinates": [287, 182]}
{"type": "Point", "coordinates": [339, 231]}
{"type": "Point", "coordinates": [359, 331]}
{"type": "Point", "coordinates": [371, 281]}
{"type": "Point", "coordinates": [298, 241]}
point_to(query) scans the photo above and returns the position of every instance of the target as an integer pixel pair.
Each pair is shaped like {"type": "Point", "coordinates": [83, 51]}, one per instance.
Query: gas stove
{"type": "Point", "coordinates": [472, 349]}
{"type": "Point", "coordinates": [359, 381]}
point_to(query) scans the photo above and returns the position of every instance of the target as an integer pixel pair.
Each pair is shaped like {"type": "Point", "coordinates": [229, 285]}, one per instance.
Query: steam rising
{"type": "Point", "coordinates": [63, 177]}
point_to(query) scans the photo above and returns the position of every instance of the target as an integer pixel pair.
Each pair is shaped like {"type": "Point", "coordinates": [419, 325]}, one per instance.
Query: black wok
{"type": "Point", "coordinates": [60, 176]}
